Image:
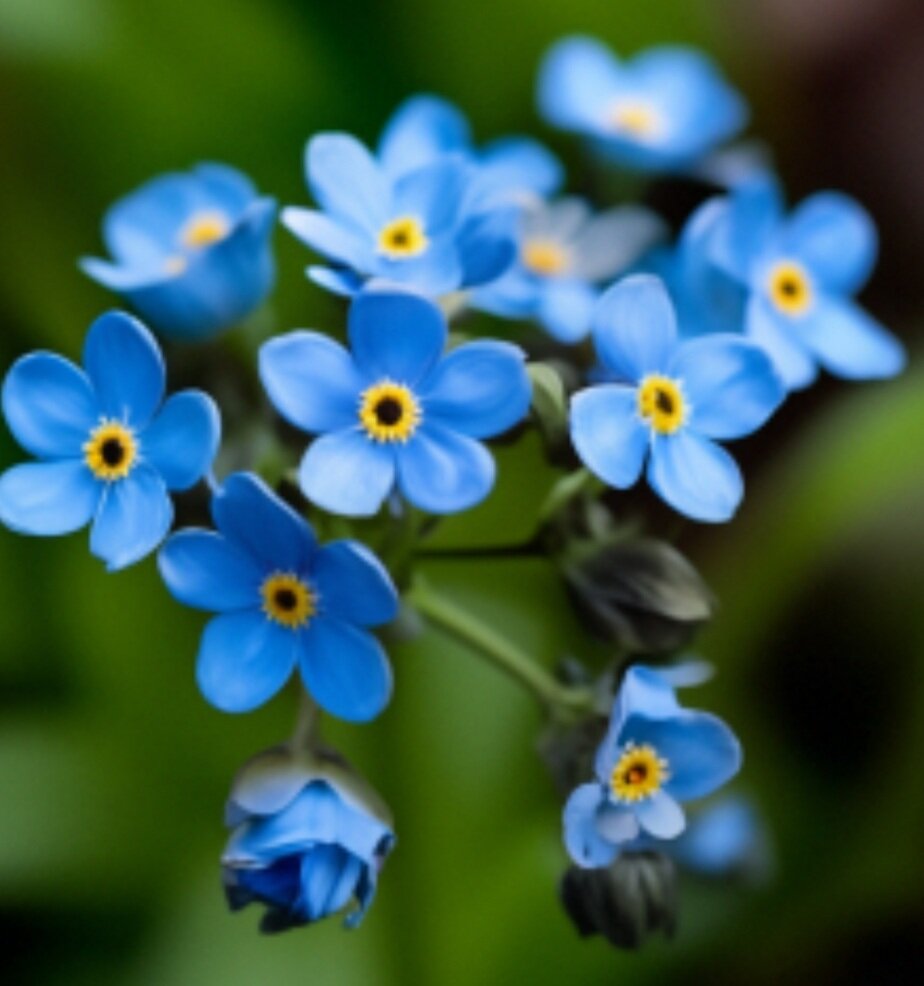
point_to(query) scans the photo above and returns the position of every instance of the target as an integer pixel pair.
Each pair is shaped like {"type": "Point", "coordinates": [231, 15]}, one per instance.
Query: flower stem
{"type": "Point", "coordinates": [305, 733]}
{"type": "Point", "coordinates": [560, 700]}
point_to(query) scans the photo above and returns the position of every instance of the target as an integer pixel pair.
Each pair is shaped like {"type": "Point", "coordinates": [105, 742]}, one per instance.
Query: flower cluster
{"type": "Point", "coordinates": [694, 340]}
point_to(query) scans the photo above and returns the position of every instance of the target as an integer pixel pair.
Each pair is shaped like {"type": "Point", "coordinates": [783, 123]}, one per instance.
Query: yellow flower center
{"type": "Point", "coordinates": [204, 229]}
{"type": "Point", "coordinates": [661, 404]}
{"type": "Point", "coordinates": [110, 451]}
{"type": "Point", "coordinates": [790, 288]}
{"type": "Point", "coordinates": [638, 773]}
{"type": "Point", "coordinates": [389, 412]}
{"type": "Point", "coordinates": [545, 257]}
{"type": "Point", "coordinates": [288, 600]}
{"type": "Point", "coordinates": [636, 119]}
{"type": "Point", "coordinates": [402, 238]}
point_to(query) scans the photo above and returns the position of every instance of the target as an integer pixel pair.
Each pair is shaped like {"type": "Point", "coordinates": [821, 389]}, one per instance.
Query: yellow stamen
{"type": "Point", "coordinates": [288, 600]}
{"type": "Point", "coordinates": [661, 403]}
{"type": "Point", "coordinates": [402, 238]}
{"type": "Point", "coordinates": [636, 119]}
{"type": "Point", "coordinates": [545, 257]}
{"type": "Point", "coordinates": [204, 229]}
{"type": "Point", "coordinates": [638, 773]}
{"type": "Point", "coordinates": [389, 412]}
{"type": "Point", "coordinates": [110, 451]}
{"type": "Point", "coordinates": [790, 288]}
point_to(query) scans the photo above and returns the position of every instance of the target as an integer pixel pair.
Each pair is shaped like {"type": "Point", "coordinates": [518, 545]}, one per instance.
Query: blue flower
{"type": "Point", "coordinates": [109, 446]}
{"type": "Point", "coordinates": [655, 756]}
{"type": "Point", "coordinates": [663, 110]}
{"type": "Point", "coordinates": [424, 128]}
{"type": "Point", "coordinates": [191, 252]}
{"type": "Point", "coordinates": [283, 602]}
{"type": "Point", "coordinates": [308, 837]}
{"type": "Point", "coordinates": [396, 412]}
{"type": "Point", "coordinates": [723, 839]}
{"type": "Point", "coordinates": [679, 396]}
{"type": "Point", "coordinates": [417, 229]}
{"type": "Point", "coordinates": [564, 253]}
{"type": "Point", "coordinates": [801, 273]}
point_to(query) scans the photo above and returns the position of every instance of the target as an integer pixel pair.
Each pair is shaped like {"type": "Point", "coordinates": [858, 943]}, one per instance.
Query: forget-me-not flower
{"type": "Point", "coordinates": [678, 396]}
{"type": "Point", "coordinates": [109, 447]}
{"type": "Point", "coordinates": [190, 252]}
{"type": "Point", "coordinates": [801, 272]}
{"type": "Point", "coordinates": [283, 601]}
{"type": "Point", "coordinates": [395, 413]}
{"type": "Point", "coordinates": [655, 755]}
{"type": "Point", "coordinates": [662, 110]}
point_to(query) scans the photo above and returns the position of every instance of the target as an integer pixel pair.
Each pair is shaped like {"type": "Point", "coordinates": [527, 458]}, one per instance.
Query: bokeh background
{"type": "Point", "coordinates": [113, 770]}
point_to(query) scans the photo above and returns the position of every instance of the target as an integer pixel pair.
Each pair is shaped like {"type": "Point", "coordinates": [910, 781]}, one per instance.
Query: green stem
{"type": "Point", "coordinates": [558, 699]}
{"type": "Point", "coordinates": [305, 733]}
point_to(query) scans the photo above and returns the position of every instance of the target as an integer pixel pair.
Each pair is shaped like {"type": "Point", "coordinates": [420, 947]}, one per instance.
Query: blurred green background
{"type": "Point", "coordinates": [113, 771]}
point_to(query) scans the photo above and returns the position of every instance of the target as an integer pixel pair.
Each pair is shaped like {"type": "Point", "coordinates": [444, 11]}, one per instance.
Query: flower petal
{"type": "Point", "coordinates": [585, 844]}
{"type": "Point", "coordinates": [181, 441]}
{"type": "Point", "coordinates": [442, 471]}
{"type": "Point", "coordinates": [347, 473]}
{"type": "Point", "coordinates": [329, 877]}
{"type": "Point", "coordinates": [134, 517]}
{"type": "Point", "coordinates": [395, 334]}
{"type": "Point", "coordinates": [577, 80]}
{"type": "Point", "coordinates": [609, 436]}
{"type": "Point", "coordinates": [661, 816]}
{"type": "Point", "coordinates": [480, 389]}
{"type": "Point", "coordinates": [486, 245]}
{"type": "Point", "coordinates": [695, 476]}
{"type": "Point", "coordinates": [514, 165]}
{"type": "Point", "coordinates": [345, 669]}
{"type": "Point", "coordinates": [613, 240]}
{"type": "Point", "coordinates": [436, 271]}
{"type": "Point", "coordinates": [731, 385]}
{"type": "Point", "coordinates": [244, 659]}
{"type": "Point", "coordinates": [566, 308]}
{"type": "Point", "coordinates": [616, 823]}
{"type": "Point", "coordinates": [432, 193]}
{"type": "Point", "coordinates": [346, 181]}
{"type": "Point", "coordinates": [254, 518]}
{"type": "Point", "coordinates": [329, 237]}
{"type": "Point", "coordinates": [205, 570]}
{"type": "Point", "coordinates": [311, 380]}
{"type": "Point", "coordinates": [353, 585]}
{"type": "Point", "coordinates": [337, 280]}
{"type": "Point", "coordinates": [422, 128]}
{"type": "Point", "coordinates": [48, 498]}
{"type": "Point", "coordinates": [775, 334]}
{"type": "Point", "coordinates": [746, 228]}
{"type": "Point", "coordinates": [635, 328]}
{"type": "Point", "coordinates": [49, 405]}
{"type": "Point", "coordinates": [125, 365]}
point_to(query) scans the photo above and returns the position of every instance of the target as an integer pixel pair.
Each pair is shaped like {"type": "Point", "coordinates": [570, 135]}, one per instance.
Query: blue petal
{"type": "Point", "coordinates": [395, 334]}
{"type": "Point", "coordinates": [353, 585]}
{"type": "Point", "coordinates": [347, 182]}
{"type": "Point", "coordinates": [848, 342]}
{"type": "Point", "coordinates": [436, 271]}
{"type": "Point", "coordinates": [329, 878]}
{"type": "Point", "coordinates": [731, 385]}
{"type": "Point", "coordinates": [442, 472]}
{"type": "Point", "coordinates": [514, 165]}
{"type": "Point", "coordinates": [486, 246]}
{"type": "Point", "coordinates": [345, 670]}
{"type": "Point", "coordinates": [577, 80]}
{"type": "Point", "coordinates": [330, 237]}
{"type": "Point", "coordinates": [253, 517]}
{"type": "Point", "coordinates": [479, 389]}
{"type": "Point", "coordinates": [347, 473]}
{"type": "Point", "coordinates": [775, 334]}
{"type": "Point", "coordinates": [835, 237]}
{"type": "Point", "coordinates": [49, 405]}
{"type": "Point", "coordinates": [608, 435]}
{"type": "Point", "coordinates": [432, 193]}
{"type": "Point", "coordinates": [48, 498]}
{"type": "Point", "coordinates": [566, 308]}
{"type": "Point", "coordinates": [422, 128]}
{"type": "Point", "coordinates": [513, 295]}
{"type": "Point", "coordinates": [747, 228]}
{"type": "Point", "coordinates": [229, 189]}
{"type": "Point", "coordinates": [613, 240]}
{"type": "Point", "coordinates": [695, 476]}
{"type": "Point", "coordinates": [182, 440]}
{"type": "Point", "coordinates": [635, 329]}
{"type": "Point", "coordinates": [336, 280]}
{"type": "Point", "coordinates": [311, 381]}
{"type": "Point", "coordinates": [133, 518]}
{"type": "Point", "coordinates": [206, 570]}
{"type": "Point", "coordinates": [126, 367]}
{"type": "Point", "coordinates": [722, 838]}
{"type": "Point", "coordinates": [583, 841]}
{"type": "Point", "coordinates": [244, 659]}
{"type": "Point", "coordinates": [616, 823]}
{"type": "Point", "coordinates": [661, 816]}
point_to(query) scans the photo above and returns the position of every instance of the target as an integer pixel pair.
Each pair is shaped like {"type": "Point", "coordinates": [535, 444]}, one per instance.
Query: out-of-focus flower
{"type": "Point", "coordinates": [284, 601]}
{"type": "Point", "coordinates": [395, 412]}
{"type": "Point", "coordinates": [191, 252]}
{"type": "Point", "coordinates": [662, 110]}
{"type": "Point", "coordinates": [417, 228]}
{"type": "Point", "coordinates": [655, 756]}
{"type": "Point", "coordinates": [109, 447]}
{"type": "Point", "coordinates": [801, 273]}
{"type": "Point", "coordinates": [565, 252]}
{"type": "Point", "coordinates": [308, 837]}
{"type": "Point", "coordinates": [680, 396]}
{"type": "Point", "coordinates": [724, 839]}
